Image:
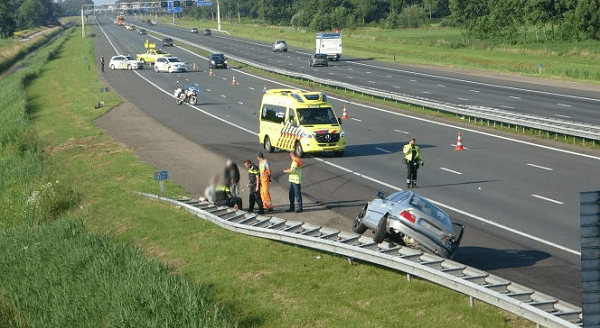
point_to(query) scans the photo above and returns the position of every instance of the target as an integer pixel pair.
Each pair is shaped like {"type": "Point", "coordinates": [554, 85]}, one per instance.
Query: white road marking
{"type": "Point", "coordinates": [451, 171]}
{"type": "Point", "coordinates": [441, 85]}
{"type": "Point", "coordinates": [383, 150]}
{"type": "Point", "coordinates": [473, 216]}
{"type": "Point", "coordinates": [355, 119]}
{"type": "Point", "coordinates": [476, 91]}
{"type": "Point", "coordinates": [427, 92]}
{"type": "Point", "coordinates": [547, 199]}
{"type": "Point", "coordinates": [251, 88]}
{"type": "Point", "coordinates": [514, 97]}
{"type": "Point", "coordinates": [509, 107]}
{"type": "Point", "coordinates": [540, 167]}
{"type": "Point", "coordinates": [223, 96]}
{"type": "Point", "coordinates": [563, 116]}
{"type": "Point", "coordinates": [372, 82]}
{"type": "Point", "coordinates": [564, 105]}
{"type": "Point", "coordinates": [400, 131]}
{"type": "Point", "coordinates": [413, 80]}
{"type": "Point", "coordinates": [208, 90]}
{"type": "Point", "coordinates": [463, 99]}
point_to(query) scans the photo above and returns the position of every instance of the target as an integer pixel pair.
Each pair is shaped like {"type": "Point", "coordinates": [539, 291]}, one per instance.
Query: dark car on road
{"type": "Point", "coordinates": [318, 60]}
{"type": "Point", "coordinates": [142, 31]}
{"type": "Point", "coordinates": [217, 60]}
{"type": "Point", "coordinates": [194, 30]}
{"type": "Point", "coordinates": [167, 42]}
{"type": "Point", "coordinates": [207, 32]}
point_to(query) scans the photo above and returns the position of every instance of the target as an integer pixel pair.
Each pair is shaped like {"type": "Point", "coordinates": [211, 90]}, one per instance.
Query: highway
{"type": "Point", "coordinates": [519, 200]}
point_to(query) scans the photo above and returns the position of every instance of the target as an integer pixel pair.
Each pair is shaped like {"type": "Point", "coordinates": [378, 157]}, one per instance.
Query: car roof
{"type": "Point", "coordinates": [173, 59]}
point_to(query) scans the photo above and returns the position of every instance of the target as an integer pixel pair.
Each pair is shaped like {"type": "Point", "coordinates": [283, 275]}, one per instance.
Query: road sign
{"type": "Point", "coordinates": [204, 3]}
{"type": "Point", "coordinates": [171, 8]}
{"type": "Point", "coordinates": [161, 175]}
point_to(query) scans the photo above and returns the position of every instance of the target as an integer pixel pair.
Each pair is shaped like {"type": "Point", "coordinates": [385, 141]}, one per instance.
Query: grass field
{"type": "Point", "coordinates": [436, 46]}
{"type": "Point", "coordinates": [80, 249]}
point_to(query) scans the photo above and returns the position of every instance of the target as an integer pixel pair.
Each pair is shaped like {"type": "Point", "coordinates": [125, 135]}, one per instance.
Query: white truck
{"type": "Point", "coordinates": [329, 44]}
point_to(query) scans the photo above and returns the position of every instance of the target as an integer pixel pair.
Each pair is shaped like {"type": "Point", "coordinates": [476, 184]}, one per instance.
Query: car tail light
{"type": "Point", "coordinates": [408, 216]}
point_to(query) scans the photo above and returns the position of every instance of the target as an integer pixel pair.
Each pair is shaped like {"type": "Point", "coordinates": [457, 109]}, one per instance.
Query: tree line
{"type": "Point", "coordinates": [492, 20]}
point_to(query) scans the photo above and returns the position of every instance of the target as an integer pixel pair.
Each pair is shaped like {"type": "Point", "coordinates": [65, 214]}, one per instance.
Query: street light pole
{"type": "Point", "coordinates": [218, 16]}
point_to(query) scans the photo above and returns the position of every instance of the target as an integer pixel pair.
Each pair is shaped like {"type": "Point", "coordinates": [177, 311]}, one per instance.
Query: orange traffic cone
{"type": "Point", "coordinates": [345, 112]}
{"type": "Point", "coordinates": [233, 81]}
{"type": "Point", "coordinates": [210, 71]}
{"type": "Point", "coordinates": [459, 145]}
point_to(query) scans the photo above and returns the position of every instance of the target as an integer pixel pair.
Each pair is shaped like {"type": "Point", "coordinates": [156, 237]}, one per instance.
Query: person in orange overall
{"type": "Point", "coordinates": [265, 180]}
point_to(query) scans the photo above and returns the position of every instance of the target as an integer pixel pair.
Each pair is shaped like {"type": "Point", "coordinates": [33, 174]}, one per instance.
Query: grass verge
{"type": "Point", "coordinates": [90, 252]}
{"type": "Point", "coordinates": [434, 46]}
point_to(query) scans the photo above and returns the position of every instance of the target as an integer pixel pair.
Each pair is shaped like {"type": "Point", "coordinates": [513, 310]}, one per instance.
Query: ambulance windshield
{"type": "Point", "coordinates": [324, 115]}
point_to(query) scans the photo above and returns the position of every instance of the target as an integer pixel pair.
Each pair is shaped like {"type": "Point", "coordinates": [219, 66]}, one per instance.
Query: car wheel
{"type": "Point", "coordinates": [267, 145]}
{"type": "Point", "coordinates": [298, 149]}
{"type": "Point", "coordinates": [193, 100]}
{"type": "Point", "coordinates": [156, 69]}
{"type": "Point", "coordinates": [112, 67]}
{"type": "Point", "coordinates": [358, 226]}
{"type": "Point", "coordinates": [380, 231]}
{"type": "Point", "coordinates": [129, 67]}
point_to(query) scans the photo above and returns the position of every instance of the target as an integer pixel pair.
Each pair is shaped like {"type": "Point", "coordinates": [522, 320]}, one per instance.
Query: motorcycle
{"type": "Point", "coordinates": [189, 95]}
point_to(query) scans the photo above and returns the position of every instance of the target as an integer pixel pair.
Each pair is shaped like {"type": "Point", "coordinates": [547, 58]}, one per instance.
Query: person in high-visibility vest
{"type": "Point", "coordinates": [295, 178]}
{"type": "Point", "coordinates": [265, 180]}
{"type": "Point", "coordinates": [413, 159]}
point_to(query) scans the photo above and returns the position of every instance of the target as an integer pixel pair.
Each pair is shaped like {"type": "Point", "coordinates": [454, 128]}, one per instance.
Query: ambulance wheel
{"type": "Point", "coordinates": [267, 145]}
{"type": "Point", "coordinates": [298, 149]}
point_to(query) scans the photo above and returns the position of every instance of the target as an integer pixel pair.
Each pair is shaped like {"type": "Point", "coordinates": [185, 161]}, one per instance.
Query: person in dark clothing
{"type": "Point", "coordinates": [413, 159]}
{"type": "Point", "coordinates": [220, 195]}
{"type": "Point", "coordinates": [224, 197]}
{"type": "Point", "coordinates": [254, 187]}
{"type": "Point", "coordinates": [102, 62]}
{"type": "Point", "coordinates": [232, 178]}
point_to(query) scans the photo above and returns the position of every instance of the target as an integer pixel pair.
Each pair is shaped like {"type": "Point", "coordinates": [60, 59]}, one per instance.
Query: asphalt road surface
{"type": "Point", "coordinates": [519, 199]}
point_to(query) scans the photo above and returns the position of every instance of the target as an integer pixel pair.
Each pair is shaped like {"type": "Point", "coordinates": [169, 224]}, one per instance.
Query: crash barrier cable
{"type": "Point", "coordinates": [542, 309]}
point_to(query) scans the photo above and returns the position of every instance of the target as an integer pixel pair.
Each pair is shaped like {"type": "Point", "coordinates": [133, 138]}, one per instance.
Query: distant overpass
{"type": "Point", "coordinates": [150, 6]}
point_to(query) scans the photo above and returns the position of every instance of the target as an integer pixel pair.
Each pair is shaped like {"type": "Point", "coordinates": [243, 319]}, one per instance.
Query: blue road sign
{"type": "Point", "coordinates": [205, 3]}
{"type": "Point", "coordinates": [161, 175]}
{"type": "Point", "coordinates": [172, 9]}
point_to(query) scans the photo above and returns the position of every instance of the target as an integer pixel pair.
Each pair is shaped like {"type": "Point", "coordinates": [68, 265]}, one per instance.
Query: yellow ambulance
{"type": "Point", "coordinates": [299, 121]}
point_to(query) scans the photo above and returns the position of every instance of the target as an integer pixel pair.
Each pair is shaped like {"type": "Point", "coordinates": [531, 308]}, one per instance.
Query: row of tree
{"type": "Point", "coordinates": [16, 15]}
{"type": "Point", "coordinates": [496, 20]}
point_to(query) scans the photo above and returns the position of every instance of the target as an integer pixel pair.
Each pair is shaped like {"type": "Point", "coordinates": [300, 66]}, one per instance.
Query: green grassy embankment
{"type": "Point", "coordinates": [81, 249]}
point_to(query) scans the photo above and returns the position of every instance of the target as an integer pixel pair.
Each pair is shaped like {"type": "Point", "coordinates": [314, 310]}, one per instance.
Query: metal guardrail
{"type": "Point", "coordinates": [542, 309]}
{"type": "Point", "coordinates": [552, 125]}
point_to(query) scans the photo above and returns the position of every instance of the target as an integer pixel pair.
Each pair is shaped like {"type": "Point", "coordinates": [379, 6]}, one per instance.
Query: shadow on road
{"type": "Point", "coordinates": [377, 149]}
{"type": "Point", "coordinates": [488, 259]}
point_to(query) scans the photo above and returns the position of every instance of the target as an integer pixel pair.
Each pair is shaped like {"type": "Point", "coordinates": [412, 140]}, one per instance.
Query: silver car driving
{"type": "Point", "coordinates": [409, 219]}
{"type": "Point", "coordinates": [280, 45]}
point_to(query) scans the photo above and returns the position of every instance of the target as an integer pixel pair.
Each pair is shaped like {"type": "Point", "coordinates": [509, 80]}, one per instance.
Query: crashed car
{"type": "Point", "coordinates": [410, 220]}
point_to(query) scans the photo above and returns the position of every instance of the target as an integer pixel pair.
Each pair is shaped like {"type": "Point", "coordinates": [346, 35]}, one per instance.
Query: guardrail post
{"type": "Point", "coordinates": [590, 257]}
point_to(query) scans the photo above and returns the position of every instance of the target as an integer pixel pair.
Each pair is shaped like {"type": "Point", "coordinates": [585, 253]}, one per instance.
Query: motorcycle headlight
{"type": "Point", "coordinates": [212, 62]}
{"type": "Point", "coordinates": [342, 134]}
